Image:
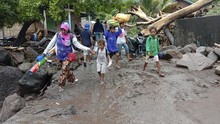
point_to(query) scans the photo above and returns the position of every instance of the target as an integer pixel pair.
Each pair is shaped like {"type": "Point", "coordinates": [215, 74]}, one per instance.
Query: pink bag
{"type": "Point", "coordinates": [71, 57]}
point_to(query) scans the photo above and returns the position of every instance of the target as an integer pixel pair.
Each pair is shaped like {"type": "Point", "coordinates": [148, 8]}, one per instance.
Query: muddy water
{"type": "Point", "coordinates": [129, 96]}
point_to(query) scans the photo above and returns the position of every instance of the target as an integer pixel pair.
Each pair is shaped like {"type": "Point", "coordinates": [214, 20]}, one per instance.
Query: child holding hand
{"type": "Point", "coordinates": [102, 58]}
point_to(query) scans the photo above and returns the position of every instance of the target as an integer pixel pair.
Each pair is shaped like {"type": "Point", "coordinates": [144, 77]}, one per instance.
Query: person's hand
{"type": "Point", "coordinates": [91, 51]}
{"type": "Point", "coordinates": [40, 57]}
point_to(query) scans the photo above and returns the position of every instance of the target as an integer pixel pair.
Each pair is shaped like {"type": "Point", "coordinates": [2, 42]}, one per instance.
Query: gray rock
{"type": "Point", "coordinates": [9, 81]}
{"type": "Point", "coordinates": [165, 48]}
{"type": "Point", "coordinates": [5, 58]}
{"type": "Point", "coordinates": [217, 51]}
{"type": "Point", "coordinates": [25, 66]}
{"type": "Point", "coordinates": [217, 70]}
{"type": "Point", "coordinates": [195, 61]}
{"type": "Point", "coordinates": [34, 82]}
{"type": "Point", "coordinates": [202, 50]}
{"type": "Point", "coordinates": [174, 53]}
{"type": "Point", "coordinates": [31, 54]}
{"type": "Point", "coordinates": [209, 49]}
{"type": "Point", "coordinates": [192, 46]}
{"type": "Point", "coordinates": [213, 56]}
{"type": "Point", "coordinates": [18, 58]}
{"type": "Point", "coordinates": [185, 50]}
{"type": "Point", "coordinates": [11, 106]}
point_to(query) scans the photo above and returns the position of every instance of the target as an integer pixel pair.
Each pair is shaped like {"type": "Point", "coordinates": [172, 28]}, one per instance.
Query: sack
{"type": "Point", "coordinates": [71, 57]}
{"type": "Point", "coordinates": [121, 17]}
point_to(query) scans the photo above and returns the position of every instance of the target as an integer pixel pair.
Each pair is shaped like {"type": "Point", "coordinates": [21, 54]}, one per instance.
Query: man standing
{"type": "Point", "coordinates": [86, 38]}
{"type": "Point", "coordinates": [98, 30]}
{"type": "Point", "coordinates": [121, 42]}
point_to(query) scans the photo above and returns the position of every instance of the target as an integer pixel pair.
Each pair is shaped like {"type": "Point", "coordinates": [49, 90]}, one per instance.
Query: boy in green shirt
{"type": "Point", "coordinates": [152, 49]}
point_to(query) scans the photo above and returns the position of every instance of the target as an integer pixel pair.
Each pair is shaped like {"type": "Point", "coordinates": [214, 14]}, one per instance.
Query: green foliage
{"type": "Point", "coordinates": [152, 7]}
{"type": "Point", "coordinates": [29, 10]}
{"type": "Point", "coordinates": [215, 10]}
{"type": "Point", "coordinates": [13, 11]}
{"type": "Point", "coordinates": [8, 12]}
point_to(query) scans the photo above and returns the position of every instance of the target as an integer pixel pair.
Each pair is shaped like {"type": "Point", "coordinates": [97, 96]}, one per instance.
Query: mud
{"type": "Point", "coordinates": [129, 96]}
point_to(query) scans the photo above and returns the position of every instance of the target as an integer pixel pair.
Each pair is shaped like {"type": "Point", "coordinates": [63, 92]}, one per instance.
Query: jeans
{"type": "Point", "coordinates": [98, 36]}
{"type": "Point", "coordinates": [125, 46]}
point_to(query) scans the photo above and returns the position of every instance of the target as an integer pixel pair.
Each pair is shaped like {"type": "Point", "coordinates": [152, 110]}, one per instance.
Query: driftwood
{"type": "Point", "coordinates": [14, 48]}
{"type": "Point", "coordinates": [217, 45]}
{"type": "Point", "coordinates": [159, 24]}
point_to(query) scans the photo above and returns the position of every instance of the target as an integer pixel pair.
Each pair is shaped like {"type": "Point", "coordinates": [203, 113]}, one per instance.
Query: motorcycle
{"type": "Point", "coordinates": [137, 45]}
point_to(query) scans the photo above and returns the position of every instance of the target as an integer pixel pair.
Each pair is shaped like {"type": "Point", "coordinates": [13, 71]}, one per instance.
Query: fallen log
{"type": "Point", "coordinates": [176, 15]}
{"type": "Point", "coordinates": [217, 45]}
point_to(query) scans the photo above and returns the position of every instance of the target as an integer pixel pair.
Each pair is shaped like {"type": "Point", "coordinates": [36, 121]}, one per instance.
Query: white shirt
{"type": "Point", "coordinates": [102, 58]}
{"type": "Point", "coordinates": [53, 43]}
{"type": "Point", "coordinates": [121, 38]}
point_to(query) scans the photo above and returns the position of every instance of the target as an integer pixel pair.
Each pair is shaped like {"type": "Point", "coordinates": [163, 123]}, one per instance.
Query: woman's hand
{"type": "Point", "coordinates": [40, 57]}
{"type": "Point", "coordinates": [91, 51]}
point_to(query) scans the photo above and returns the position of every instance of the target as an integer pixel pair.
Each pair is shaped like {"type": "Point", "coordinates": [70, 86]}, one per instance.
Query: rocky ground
{"type": "Point", "coordinates": [129, 96]}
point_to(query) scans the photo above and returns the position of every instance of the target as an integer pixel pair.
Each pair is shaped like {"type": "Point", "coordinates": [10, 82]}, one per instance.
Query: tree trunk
{"type": "Point", "coordinates": [178, 14]}
{"type": "Point", "coordinates": [169, 35]}
{"type": "Point", "coordinates": [21, 36]}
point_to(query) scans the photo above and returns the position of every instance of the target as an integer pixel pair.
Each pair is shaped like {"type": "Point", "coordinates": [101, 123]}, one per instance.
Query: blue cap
{"type": "Point", "coordinates": [87, 26]}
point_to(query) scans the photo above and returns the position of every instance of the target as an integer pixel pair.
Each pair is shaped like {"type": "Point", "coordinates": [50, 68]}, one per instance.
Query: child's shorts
{"type": "Point", "coordinates": [101, 67]}
{"type": "Point", "coordinates": [152, 58]}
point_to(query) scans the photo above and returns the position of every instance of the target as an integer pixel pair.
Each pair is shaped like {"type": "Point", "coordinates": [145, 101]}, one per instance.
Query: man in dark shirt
{"type": "Point", "coordinates": [86, 38]}
{"type": "Point", "coordinates": [98, 30]}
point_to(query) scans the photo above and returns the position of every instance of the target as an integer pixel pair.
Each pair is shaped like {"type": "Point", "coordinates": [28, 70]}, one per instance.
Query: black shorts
{"type": "Point", "coordinates": [112, 53]}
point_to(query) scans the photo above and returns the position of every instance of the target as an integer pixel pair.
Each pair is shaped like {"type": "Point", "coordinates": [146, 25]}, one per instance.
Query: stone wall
{"type": "Point", "coordinates": [203, 31]}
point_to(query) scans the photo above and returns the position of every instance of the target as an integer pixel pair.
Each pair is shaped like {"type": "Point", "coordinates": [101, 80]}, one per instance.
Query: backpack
{"type": "Point", "coordinates": [106, 52]}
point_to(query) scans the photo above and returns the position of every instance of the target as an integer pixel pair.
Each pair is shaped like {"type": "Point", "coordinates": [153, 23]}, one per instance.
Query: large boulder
{"type": "Point", "coordinates": [202, 50]}
{"type": "Point", "coordinates": [17, 58]}
{"type": "Point", "coordinates": [195, 61]}
{"type": "Point", "coordinates": [164, 48]}
{"type": "Point", "coordinates": [34, 82]}
{"type": "Point", "coordinates": [31, 54]}
{"type": "Point", "coordinates": [213, 56]}
{"type": "Point", "coordinates": [9, 77]}
{"type": "Point", "coordinates": [174, 53]}
{"type": "Point", "coordinates": [192, 46]}
{"type": "Point", "coordinates": [11, 106]}
{"type": "Point", "coordinates": [209, 49]}
{"type": "Point", "coordinates": [25, 66]}
{"type": "Point", "coordinates": [217, 70]}
{"type": "Point", "coordinates": [185, 50]}
{"type": "Point", "coordinates": [171, 52]}
{"type": "Point", "coordinates": [5, 58]}
{"type": "Point", "coordinates": [217, 51]}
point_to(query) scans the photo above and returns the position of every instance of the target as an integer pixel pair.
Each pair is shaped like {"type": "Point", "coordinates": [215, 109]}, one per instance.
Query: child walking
{"type": "Point", "coordinates": [152, 49]}
{"type": "Point", "coordinates": [111, 38]}
{"type": "Point", "coordinates": [102, 60]}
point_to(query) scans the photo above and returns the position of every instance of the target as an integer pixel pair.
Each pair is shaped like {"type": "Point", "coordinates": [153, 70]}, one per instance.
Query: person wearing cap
{"type": "Point", "coordinates": [63, 46]}
{"type": "Point", "coordinates": [87, 40]}
{"type": "Point", "coordinates": [111, 38]}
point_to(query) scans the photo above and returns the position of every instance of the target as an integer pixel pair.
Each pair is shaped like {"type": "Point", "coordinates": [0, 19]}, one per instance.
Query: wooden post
{"type": "Point", "coordinates": [45, 23]}
{"type": "Point", "coordinates": [69, 19]}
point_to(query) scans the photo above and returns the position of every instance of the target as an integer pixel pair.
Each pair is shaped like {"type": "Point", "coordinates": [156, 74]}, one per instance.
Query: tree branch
{"type": "Point", "coordinates": [138, 12]}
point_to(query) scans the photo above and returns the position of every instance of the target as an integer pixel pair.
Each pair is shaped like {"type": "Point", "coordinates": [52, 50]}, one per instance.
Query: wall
{"type": "Point", "coordinates": [204, 31]}
{"type": "Point", "coordinates": [14, 30]}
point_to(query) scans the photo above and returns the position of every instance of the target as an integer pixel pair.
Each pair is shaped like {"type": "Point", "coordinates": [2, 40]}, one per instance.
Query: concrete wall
{"type": "Point", "coordinates": [204, 31]}
{"type": "Point", "coordinates": [14, 30]}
